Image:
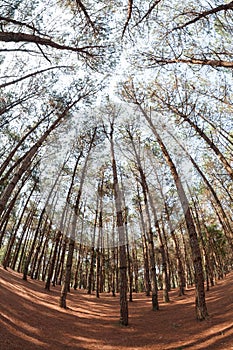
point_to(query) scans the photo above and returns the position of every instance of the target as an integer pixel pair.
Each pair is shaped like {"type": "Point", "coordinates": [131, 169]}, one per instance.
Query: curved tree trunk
{"type": "Point", "coordinates": [9, 250]}
{"type": "Point", "coordinates": [8, 159]}
{"type": "Point", "coordinates": [76, 212]}
{"type": "Point", "coordinates": [201, 309]}
{"type": "Point", "coordinates": [205, 137]}
{"type": "Point", "coordinates": [28, 159]}
{"type": "Point", "coordinates": [227, 226]}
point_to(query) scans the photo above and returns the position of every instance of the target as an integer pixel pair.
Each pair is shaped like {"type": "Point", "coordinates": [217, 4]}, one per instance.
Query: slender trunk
{"type": "Point", "coordinates": [129, 261]}
{"type": "Point", "coordinates": [37, 273]}
{"type": "Point", "coordinates": [200, 132]}
{"type": "Point", "coordinates": [10, 156]}
{"type": "Point", "coordinates": [62, 261]}
{"type": "Point", "coordinates": [91, 274]}
{"type": "Point", "coordinates": [80, 254]}
{"type": "Point", "coordinates": [9, 250]}
{"type": "Point", "coordinates": [201, 309]}
{"type": "Point", "coordinates": [25, 243]}
{"type": "Point", "coordinates": [28, 159]}
{"type": "Point", "coordinates": [135, 268]}
{"type": "Point", "coordinates": [224, 219]}
{"type": "Point", "coordinates": [6, 214]}
{"type": "Point", "coordinates": [36, 235]}
{"type": "Point", "coordinates": [145, 254]}
{"type": "Point", "coordinates": [113, 261]}
{"type": "Point", "coordinates": [51, 267]}
{"type": "Point", "coordinates": [27, 224]}
{"type": "Point", "coordinates": [47, 225]}
{"type": "Point", "coordinates": [166, 249]}
{"type": "Point", "coordinates": [66, 284]}
{"type": "Point", "coordinates": [26, 266]}
{"type": "Point", "coordinates": [48, 252]}
{"type": "Point", "coordinates": [143, 182]}
{"type": "Point", "coordinates": [121, 238]}
{"type": "Point", "coordinates": [59, 233]}
{"type": "Point", "coordinates": [162, 251]}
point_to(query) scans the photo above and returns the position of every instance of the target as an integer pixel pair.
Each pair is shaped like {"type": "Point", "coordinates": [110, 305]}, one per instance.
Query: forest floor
{"type": "Point", "coordinates": [30, 319]}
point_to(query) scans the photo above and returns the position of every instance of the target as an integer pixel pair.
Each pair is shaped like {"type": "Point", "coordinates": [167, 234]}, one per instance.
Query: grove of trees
{"type": "Point", "coordinates": [116, 156]}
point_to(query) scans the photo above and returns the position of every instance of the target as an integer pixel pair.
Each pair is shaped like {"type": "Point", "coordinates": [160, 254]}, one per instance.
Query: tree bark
{"type": "Point", "coordinates": [28, 158]}
{"type": "Point", "coordinates": [201, 309]}
{"type": "Point", "coordinates": [121, 238]}
{"type": "Point", "coordinates": [76, 212]}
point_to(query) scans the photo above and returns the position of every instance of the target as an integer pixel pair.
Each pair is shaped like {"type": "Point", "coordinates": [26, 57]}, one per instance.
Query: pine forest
{"type": "Point", "coordinates": [116, 169]}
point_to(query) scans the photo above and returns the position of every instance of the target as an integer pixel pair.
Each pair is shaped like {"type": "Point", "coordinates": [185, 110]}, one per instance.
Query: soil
{"type": "Point", "coordinates": [30, 319]}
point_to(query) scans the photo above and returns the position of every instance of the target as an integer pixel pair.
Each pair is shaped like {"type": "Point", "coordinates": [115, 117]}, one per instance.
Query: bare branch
{"type": "Point", "coordinates": [31, 75]}
{"type": "Point", "coordinates": [130, 9]}
{"type": "Point", "coordinates": [148, 12]}
{"type": "Point", "coordinates": [43, 53]}
{"type": "Point", "coordinates": [88, 18]}
{"type": "Point", "coordinates": [204, 14]}
{"type": "Point", "coordinates": [23, 37]}
{"type": "Point", "coordinates": [10, 20]}
{"type": "Point", "coordinates": [204, 62]}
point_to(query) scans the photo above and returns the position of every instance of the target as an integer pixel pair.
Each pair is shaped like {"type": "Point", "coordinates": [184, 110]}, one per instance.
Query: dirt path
{"type": "Point", "coordinates": [30, 319]}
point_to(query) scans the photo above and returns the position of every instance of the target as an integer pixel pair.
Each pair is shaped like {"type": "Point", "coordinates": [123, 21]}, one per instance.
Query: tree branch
{"type": "Point", "coordinates": [130, 9]}
{"type": "Point", "coordinates": [30, 38]}
{"type": "Point", "coordinates": [204, 14]}
{"type": "Point", "coordinates": [148, 12]}
{"type": "Point", "coordinates": [205, 62]}
{"type": "Point", "coordinates": [10, 20]}
{"type": "Point", "coordinates": [84, 10]}
{"type": "Point", "coordinates": [30, 75]}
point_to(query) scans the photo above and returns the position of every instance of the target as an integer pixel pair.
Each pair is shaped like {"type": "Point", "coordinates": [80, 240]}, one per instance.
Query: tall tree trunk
{"type": "Point", "coordinates": [76, 212]}
{"type": "Point", "coordinates": [7, 213]}
{"type": "Point", "coordinates": [113, 260]}
{"type": "Point", "coordinates": [145, 250]}
{"type": "Point", "coordinates": [51, 267]}
{"type": "Point", "coordinates": [162, 251]}
{"type": "Point", "coordinates": [121, 237]}
{"type": "Point", "coordinates": [227, 225]}
{"type": "Point", "coordinates": [91, 274]}
{"type": "Point", "coordinates": [200, 132]}
{"type": "Point", "coordinates": [59, 233]}
{"type": "Point", "coordinates": [9, 250]}
{"type": "Point", "coordinates": [180, 267]}
{"type": "Point", "coordinates": [37, 273]}
{"type": "Point", "coordinates": [38, 228]}
{"type": "Point", "coordinates": [28, 159]}
{"type": "Point", "coordinates": [201, 309]}
{"type": "Point", "coordinates": [25, 243]}
{"type": "Point", "coordinates": [10, 156]}
{"type": "Point", "coordinates": [28, 221]}
{"type": "Point", "coordinates": [80, 255]}
{"type": "Point", "coordinates": [129, 260]}
{"type": "Point", "coordinates": [143, 182]}
{"type": "Point", "coordinates": [28, 260]}
{"type": "Point", "coordinates": [46, 227]}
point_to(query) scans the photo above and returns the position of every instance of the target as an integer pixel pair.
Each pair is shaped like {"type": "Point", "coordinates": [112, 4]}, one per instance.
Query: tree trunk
{"type": "Point", "coordinates": [76, 212]}
{"type": "Point", "coordinates": [9, 250]}
{"type": "Point", "coordinates": [121, 238]}
{"type": "Point", "coordinates": [201, 309]}
{"type": "Point", "coordinates": [143, 182]}
{"type": "Point", "coordinates": [200, 132]}
{"type": "Point", "coordinates": [28, 159]}
{"type": "Point", "coordinates": [26, 266]}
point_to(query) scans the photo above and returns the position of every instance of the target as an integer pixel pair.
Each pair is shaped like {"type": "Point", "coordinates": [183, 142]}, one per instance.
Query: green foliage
{"type": "Point", "coordinates": [217, 235]}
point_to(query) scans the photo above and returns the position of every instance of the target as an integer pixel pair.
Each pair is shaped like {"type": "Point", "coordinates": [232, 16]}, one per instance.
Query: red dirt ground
{"type": "Point", "coordinates": [30, 319]}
